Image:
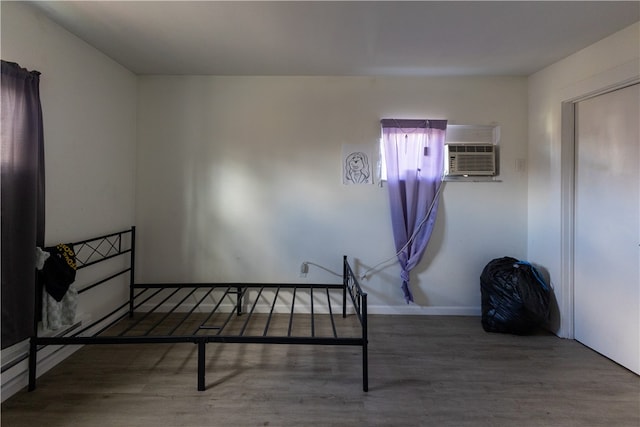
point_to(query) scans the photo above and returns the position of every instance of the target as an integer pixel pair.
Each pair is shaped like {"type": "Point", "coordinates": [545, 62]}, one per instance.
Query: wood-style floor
{"type": "Point", "coordinates": [424, 371]}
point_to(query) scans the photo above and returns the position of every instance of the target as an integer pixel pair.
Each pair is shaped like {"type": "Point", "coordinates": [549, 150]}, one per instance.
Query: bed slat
{"type": "Point", "coordinates": [273, 304]}
{"type": "Point", "coordinates": [333, 323]}
{"type": "Point", "coordinates": [293, 305]}
{"type": "Point", "coordinates": [186, 316]}
{"type": "Point", "coordinates": [253, 307]}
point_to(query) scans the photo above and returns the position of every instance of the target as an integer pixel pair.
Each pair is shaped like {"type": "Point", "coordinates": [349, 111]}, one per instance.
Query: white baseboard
{"type": "Point", "coordinates": [416, 310]}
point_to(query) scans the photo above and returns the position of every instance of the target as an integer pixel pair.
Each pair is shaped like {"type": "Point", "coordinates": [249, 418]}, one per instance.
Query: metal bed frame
{"type": "Point", "coordinates": [213, 312]}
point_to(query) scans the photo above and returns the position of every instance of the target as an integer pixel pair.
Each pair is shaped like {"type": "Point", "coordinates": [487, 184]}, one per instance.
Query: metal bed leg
{"type": "Point", "coordinates": [239, 302]}
{"type": "Point", "coordinates": [365, 368]}
{"type": "Point", "coordinates": [201, 364]}
{"type": "Point", "coordinates": [345, 282]}
{"type": "Point", "coordinates": [33, 362]}
{"type": "Point", "coordinates": [365, 342]}
{"type": "Point", "coordinates": [132, 279]}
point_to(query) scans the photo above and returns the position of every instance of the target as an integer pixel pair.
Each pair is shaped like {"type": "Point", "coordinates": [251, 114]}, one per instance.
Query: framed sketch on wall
{"type": "Point", "coordinates": [356, 164]}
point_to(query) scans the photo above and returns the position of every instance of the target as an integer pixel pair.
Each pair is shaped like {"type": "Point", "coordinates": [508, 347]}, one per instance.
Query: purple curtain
{"type": "Point", "coordinates": [22, 198]}
{"type": "Point", "coordinates": [414, 151]}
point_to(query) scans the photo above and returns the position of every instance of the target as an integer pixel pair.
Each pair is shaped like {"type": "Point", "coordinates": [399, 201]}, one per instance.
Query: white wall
{"type": "Point", "coordinates": [239, 179]}
{"type": "Point", "coordinates": [89, 113]}
{"type": "Point", "coordinates": [89, 110]}
{"type": "Point", "coordinates": [603, 65]}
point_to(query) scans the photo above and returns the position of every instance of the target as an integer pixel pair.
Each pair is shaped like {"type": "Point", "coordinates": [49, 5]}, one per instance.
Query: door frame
{"type": "Point", "coordinates": [567, 194]}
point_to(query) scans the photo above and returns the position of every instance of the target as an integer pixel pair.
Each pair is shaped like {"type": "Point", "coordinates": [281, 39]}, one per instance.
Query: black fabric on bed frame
{"type": "Point", "coordinates": [163, 323]}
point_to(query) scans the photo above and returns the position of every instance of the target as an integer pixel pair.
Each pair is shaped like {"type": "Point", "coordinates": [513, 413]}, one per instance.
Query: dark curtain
{"type": "Point", "coordinates": [22, 204]}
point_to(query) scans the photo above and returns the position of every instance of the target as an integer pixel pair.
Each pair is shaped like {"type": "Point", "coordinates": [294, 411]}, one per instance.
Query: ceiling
{"type": "Point", "coordinates": [340, 38]}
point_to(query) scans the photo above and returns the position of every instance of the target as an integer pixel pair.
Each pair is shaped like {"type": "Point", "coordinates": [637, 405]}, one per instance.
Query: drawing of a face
{"type": "Point", "coordinates": [357, 168]}
{"type": "Point", "coordinates": [356, 163]}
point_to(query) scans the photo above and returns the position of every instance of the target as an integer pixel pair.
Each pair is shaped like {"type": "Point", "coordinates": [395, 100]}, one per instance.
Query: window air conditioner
{"type": "Point", "coordinates": [471, 150]}
{"type": "Point", "coordinates": [470, 159]}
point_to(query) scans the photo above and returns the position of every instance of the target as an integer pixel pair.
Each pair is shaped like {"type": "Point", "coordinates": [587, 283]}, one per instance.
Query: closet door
{"type": "Point", "coordinates": [607, 226]}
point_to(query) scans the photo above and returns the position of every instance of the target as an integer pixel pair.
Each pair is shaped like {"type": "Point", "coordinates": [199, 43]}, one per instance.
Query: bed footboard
{"type": "Point", "coordinates": [359, 300]}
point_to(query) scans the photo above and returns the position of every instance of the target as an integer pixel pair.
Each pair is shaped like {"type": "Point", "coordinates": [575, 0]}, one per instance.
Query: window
{"type": "Point", "coordinates": [473, 149]}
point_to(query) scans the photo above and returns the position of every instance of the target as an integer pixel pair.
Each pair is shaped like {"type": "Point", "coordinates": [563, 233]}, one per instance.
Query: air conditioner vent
{"type": "Point", "coordinates": [466, 148]}
{"type": "Point", "coordinates": [470, 159]}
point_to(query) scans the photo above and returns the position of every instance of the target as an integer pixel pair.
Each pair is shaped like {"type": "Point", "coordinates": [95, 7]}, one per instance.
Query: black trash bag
{"type": "Point", "coordinates": [515, 297]}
